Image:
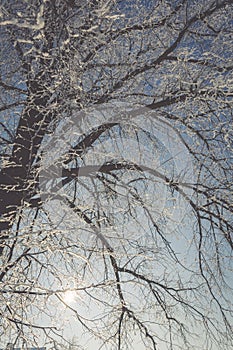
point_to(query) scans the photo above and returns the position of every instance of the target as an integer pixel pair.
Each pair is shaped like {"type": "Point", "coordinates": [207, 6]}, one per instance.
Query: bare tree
{"type": "Point", "coordinates": [116, 174]}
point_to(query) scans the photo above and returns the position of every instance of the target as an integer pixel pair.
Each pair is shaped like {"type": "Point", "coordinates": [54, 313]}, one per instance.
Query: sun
{"type": "Point", "coordinates": [69, 296]}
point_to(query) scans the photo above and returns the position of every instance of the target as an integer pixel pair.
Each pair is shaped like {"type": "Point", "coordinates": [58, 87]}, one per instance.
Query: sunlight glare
{"type": "Point", "coordinates": [69, 296]}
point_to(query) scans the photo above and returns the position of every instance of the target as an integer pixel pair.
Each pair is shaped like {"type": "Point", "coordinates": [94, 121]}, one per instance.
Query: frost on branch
{"type": "Point", "coordinates": [116, 174]}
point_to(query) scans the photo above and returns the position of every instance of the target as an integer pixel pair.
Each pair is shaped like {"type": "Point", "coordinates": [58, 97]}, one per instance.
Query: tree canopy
{"type": "Point", "coordinates": [116, 174]}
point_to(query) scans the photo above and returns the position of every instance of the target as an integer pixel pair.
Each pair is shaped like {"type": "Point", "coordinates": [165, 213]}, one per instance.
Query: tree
{"type": "Point", "coordinates": [116, 188]}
